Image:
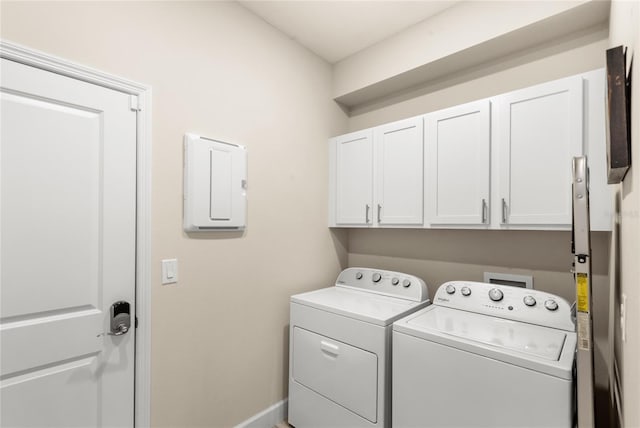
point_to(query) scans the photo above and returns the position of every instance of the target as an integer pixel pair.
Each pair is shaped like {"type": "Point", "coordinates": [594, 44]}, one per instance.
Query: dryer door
{"type": "Point", "coordinates": [339, 372]}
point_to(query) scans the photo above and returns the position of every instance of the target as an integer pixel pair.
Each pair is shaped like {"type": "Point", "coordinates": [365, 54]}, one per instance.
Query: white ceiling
{"type": "Point", "coordinates": [335, 29]}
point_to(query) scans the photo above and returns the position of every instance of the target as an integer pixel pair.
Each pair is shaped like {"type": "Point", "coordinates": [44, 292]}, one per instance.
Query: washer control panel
{"type": "Point", "coordinates": [386, 282]}
{"type": "Point", "coordinates": [519, 304]}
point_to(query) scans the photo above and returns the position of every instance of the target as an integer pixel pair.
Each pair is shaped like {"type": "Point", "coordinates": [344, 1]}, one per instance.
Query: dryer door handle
{"type": "Point", "coordinates": [329, 348]}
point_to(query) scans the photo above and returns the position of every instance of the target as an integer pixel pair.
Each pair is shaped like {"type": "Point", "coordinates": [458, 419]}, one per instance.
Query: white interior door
{"type": "Point", "coordinates": [67, 236]}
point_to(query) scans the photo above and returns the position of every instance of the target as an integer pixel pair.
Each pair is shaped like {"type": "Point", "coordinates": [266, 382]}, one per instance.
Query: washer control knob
{"type": "Point", "coordinates": [551, 304]}
{"type": "Point", "coordinates": [529, 301]}
{"type": "Point", "coordinates": [466, 291]}
{"type": "Point", "coordinates": [450, 289]}
{"type": "Point", "coordinates": [406, 283]}
{"type": "Point", "coordinates": [395, 281]}
{"type": "Point", "coordinates": [358, 275]}
{"type": "Point", "coordinates": [495, 294]}
{"type": "Point", "coordinates": [376, 277]}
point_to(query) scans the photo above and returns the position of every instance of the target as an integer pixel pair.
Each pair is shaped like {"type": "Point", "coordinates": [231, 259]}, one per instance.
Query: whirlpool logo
{"type": "Point", "coordinates": [442, 299]}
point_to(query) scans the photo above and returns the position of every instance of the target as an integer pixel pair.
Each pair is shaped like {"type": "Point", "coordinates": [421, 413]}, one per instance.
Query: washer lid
{"type": "Point", "coordinates": [520, 337]}
{"type": "Point", "coordinates": [535, 347]}
{"type": "Point", "coordinates": [361, 305]}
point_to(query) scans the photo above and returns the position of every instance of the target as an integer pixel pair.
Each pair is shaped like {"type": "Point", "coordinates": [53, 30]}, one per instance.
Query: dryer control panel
{"type": "Point", "coordinates": [503, 301]}
{"type": "Point", "coordinates": [385, 282]}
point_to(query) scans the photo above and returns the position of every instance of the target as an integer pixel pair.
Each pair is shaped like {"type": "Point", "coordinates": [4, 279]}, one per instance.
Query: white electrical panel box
{"type": "Point", "coordinates": [215, 185]}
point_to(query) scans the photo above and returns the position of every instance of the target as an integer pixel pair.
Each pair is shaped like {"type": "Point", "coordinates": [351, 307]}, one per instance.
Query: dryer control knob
{"type": "Point", "coordinates": [495, 294]}
{"type": "Point", "coordinates": [551, 304]}
{"type": "Point", "coordinates": [406, 283]}
{"type": "Point", "coordinates": [395, 281]}
{"type": "Point", "coordinates": [376, 277]}
{"type": "Point", "coordinates": [450, 289]}
{"type": "Point", "coordinates": [466, 291]}
{"type": "Point", "coordinates": [358, 275]}
{"type": "Point", "coordinates": [529, 301]}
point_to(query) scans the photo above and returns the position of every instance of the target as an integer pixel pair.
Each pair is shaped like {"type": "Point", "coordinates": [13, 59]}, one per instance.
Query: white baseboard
{"type": "Point", "coordinates": [268, 418]}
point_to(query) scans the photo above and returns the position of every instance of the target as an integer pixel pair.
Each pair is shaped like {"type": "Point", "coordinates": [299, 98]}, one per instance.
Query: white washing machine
{"type": "Point", "coordinates": [485, 355]}
{"type": "Point", "coordinates": [340, 345]}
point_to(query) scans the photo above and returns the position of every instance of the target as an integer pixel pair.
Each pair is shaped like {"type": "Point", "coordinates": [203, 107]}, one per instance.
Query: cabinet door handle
{"type": "Point", "coordinates": [366, 213]}
{"type": "Point", "coordinates": [379, 209]}
{"type": "Point", "coordinates": [484, 211]}
{"type": "Point", "coordinates": [504, 211]}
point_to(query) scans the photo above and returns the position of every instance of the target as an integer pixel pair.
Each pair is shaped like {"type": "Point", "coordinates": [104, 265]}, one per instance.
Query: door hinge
{"type": "Point", "coordinates": [134, 103]}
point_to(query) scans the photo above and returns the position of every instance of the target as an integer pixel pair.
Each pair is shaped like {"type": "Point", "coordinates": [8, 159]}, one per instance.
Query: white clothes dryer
{"type": "Point", "coordinates": [485, 355]}
{"type": "Point", "coordinates": [340, 345]}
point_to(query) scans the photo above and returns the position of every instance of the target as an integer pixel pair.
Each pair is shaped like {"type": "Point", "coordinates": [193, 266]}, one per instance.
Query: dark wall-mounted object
{"type": "Point", "coordinates": [618, 115]}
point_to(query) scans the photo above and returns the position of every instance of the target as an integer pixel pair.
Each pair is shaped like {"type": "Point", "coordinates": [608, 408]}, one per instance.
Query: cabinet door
{"type": "Point", "coordinates": [354, 178]}
{"type": "Point", "coordinates": [540, 132]}
{"type": "Point", "coordinates": [457, 158]}
{"type": "Point", "coordinates": [400, 172]}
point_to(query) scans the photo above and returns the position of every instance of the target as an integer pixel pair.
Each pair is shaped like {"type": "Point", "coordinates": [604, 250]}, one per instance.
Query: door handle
{"type": "Point", "coordinates": [484, 211]}
{"type": "Point", "coordinates": [120, 319]}
{"type": "Point", "coordinates": [366, 213]}
{"type": "Point", "coordinates": [504, 210]}
{"type": "Point", "coordinates": [379, 209]}
{"type": "Point", "coordinates": [329, 348]}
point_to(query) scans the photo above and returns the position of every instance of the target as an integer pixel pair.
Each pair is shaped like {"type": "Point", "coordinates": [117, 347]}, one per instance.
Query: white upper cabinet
{"type": "Point", "coordinates": [399, 172]}
{"type": "Point", "coordinates": [354, 178]}
{"type": "Point", "coordinates": [540, 131]}
{"type": "Point", "coordinates": [499, 163]}
{"type": "Point", "coordinates": [376, 176]}
{"type": "Point", "coordinates": [457, 161]}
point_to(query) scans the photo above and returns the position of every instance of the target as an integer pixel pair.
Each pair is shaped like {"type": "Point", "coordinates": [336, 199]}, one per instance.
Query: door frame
{"type": "Point", "coordinates": [44, 61]}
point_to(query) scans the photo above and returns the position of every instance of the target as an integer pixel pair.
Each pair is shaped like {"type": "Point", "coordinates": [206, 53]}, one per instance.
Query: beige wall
{"type": "Point", "coordinates": [625, 30]}
{"type": "Point", "coordinates": [219, 342]}
{"type": "Point", "coordinates": [552, 61]}
{"type": "Point", "coordinates": [438, 256]}
{"type": "Point", "coordinates": [439, 37]}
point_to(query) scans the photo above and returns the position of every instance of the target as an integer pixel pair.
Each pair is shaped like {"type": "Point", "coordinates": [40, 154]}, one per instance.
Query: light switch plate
{"type": "Point", "coordinates": [169, 271]}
